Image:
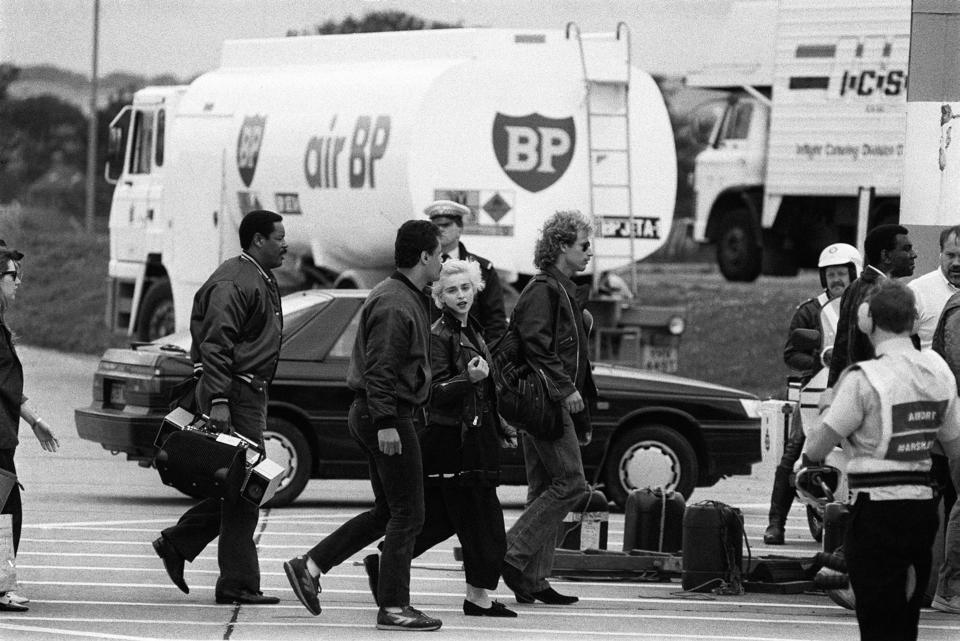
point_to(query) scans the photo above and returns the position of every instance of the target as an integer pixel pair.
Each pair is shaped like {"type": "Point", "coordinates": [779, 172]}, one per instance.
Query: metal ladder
{"type": "Point", "coordinates": [606, 73]}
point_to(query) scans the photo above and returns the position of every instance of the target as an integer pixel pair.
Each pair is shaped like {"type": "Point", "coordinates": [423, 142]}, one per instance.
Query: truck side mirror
{"type": "Point", "coordinates": [116, 146]}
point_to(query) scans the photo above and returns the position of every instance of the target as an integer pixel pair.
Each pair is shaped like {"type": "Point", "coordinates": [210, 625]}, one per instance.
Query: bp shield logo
{"type": "Point", "coordinates": [533, 150]}
{"type": "Point", "coordinates": [248, 146]}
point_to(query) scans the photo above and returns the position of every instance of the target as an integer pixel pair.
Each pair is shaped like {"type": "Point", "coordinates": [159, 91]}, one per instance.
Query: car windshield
{"type": "Point", "coordinates": [297, 308]}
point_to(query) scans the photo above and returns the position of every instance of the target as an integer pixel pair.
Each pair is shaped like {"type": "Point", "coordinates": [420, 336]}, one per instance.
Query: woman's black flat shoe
{"type": "Point", "coordinates": [496, 609]}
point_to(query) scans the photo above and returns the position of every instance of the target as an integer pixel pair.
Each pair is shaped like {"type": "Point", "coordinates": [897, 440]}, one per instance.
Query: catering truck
{"type": "Point", "coordinates": [348, 136]}
{"type": "Point", "coordinates": [809, 148]}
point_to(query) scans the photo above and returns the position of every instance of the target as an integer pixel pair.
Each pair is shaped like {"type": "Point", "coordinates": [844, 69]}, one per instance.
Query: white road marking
{"type": "Point", "coordinates": [61, 633]}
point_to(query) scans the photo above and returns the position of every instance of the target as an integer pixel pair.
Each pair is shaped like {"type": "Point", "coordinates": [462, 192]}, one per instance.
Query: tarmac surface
{"type": "Point", "coordinates": [87, 565]}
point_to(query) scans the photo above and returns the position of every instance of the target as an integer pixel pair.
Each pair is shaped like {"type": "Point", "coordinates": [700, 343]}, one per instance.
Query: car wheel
{"type": "Point", "coordinates": [156, 317]}
{"type": "Point", "coordinates": [286, 446]}
{"type": "Point", "coordinates": [650, 456]}
{"type": "Point", "coordinates": [815, 523]}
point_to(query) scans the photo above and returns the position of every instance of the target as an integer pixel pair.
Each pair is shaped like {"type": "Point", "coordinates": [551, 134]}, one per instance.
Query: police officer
{"type": "Point", "coordinates": [839, 266]}
{"type": "Point", "coordinates": [890, 411]}
{"type": "Point", "coordinates": [488, 309]}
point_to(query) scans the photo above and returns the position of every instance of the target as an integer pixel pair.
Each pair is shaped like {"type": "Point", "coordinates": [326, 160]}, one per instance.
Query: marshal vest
{"type": "Point", "coordinates": [914, 389]}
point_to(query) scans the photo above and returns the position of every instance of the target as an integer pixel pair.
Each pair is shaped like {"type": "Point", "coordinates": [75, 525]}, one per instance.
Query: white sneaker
{"type": "Point", "coordinates": [16, 598]}
{"type": "Point", "coordinates": [951, 605]}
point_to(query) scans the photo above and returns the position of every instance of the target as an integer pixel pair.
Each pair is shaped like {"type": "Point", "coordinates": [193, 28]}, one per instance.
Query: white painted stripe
{"type": "Point", "coordinates": [72, 633]}
{"type": "Point", "coordinates": [540, 612]}
{"type": "Point", "coordinates": [700, 599]}
{"type": "Point", "coordinates": [554, 614]}
{"type": "Point", "coordinates": [43, 526]}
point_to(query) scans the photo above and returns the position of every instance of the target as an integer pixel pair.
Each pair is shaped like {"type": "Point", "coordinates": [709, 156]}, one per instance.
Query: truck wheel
{"type": "Point", "coordinates": [738, 254]}
{"type": "Point", "coordinates": [156, 318]}
{"type": "Point", "coordinates": [651, 456]}
{"type": "Point", "coordinates": [286, 446]}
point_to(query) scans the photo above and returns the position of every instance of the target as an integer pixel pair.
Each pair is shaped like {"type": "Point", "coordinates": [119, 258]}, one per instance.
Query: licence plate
{"type": "Point", "coordinates": [661, 359]}
{"type": "Point", "coordinates": [117, 394]}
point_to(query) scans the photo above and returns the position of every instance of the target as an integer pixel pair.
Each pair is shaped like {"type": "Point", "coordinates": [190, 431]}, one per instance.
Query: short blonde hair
{"type": "Point", "coordinates": [452, 268]}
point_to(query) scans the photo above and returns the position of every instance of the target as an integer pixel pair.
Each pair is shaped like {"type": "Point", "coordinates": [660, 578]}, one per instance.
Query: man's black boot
{"type": "Point", "coordinates": [780, 501]}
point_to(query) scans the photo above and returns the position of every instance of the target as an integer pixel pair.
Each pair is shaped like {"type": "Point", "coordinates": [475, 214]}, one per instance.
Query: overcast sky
{"type": "Point", "coordinates": [183, 37]}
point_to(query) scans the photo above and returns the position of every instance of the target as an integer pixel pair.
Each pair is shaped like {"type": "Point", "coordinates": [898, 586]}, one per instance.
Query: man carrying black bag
{"type": "Point", "coordinates": [550, 324]}
{"type": "Point", "coordinates": [236, 326]}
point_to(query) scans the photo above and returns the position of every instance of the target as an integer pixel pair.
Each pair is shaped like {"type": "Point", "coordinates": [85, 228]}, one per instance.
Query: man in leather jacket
{"type": "Point", "coordinates": [390, 374]}
{"type": "Point", "coordinates": [236, 325]}
{"type": "Point", "coordinates": [550, 324]}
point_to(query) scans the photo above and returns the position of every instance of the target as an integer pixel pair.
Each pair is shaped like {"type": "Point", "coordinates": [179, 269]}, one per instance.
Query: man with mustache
{"type": "Point", "coordinates": [935, 311]}
{"type": "Point", "coordinates": [839, 265]}
{"type": "Point", "coordinates": [934, 288]}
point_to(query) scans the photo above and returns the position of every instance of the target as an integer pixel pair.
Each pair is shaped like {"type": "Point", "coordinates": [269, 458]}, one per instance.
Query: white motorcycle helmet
{"type": "Point", "coordinates": [839, 254]}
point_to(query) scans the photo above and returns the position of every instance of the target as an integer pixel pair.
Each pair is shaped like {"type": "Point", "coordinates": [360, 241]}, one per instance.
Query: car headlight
{"type": "Point", "coordinates": [751, 406]}
{"type": "Point", "coordinates": [676, 325]}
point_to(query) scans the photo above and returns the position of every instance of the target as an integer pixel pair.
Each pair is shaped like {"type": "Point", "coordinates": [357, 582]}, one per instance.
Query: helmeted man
{"type": "Point", "coordinates": [488, 310]}
{"type": "Point", "coordinates": [890, 411]}
{"type": "Point", "coordinates": [889, 254]}
{"type": "Point", "coordinates": [839, 265]}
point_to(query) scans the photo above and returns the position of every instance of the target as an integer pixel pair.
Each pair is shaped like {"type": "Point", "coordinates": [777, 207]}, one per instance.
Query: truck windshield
{"type": "Point", "coordinates": [141, 151]}
{"type": "Point", "coordinates": [736, 124]}
{"type": "Point", "coordinates": [161, 120]}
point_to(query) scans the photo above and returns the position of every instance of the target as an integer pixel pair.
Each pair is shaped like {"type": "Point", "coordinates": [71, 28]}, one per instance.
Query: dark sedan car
{"type": "Point", "coordinates": [649, 429]}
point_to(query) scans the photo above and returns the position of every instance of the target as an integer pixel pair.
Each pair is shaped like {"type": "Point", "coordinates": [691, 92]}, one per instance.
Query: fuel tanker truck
{"type": "Point", "coordinates": [348, 136]}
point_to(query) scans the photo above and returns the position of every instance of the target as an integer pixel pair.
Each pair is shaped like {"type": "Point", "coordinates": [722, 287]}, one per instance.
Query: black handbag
{"type": "Point", "coordinates": [522, 389]}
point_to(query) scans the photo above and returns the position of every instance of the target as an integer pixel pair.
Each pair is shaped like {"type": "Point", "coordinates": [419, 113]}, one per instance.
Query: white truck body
{"type": "Point", "coordinates": [931, 181]}
{"type": "Point", "coordinates": [348, 136]}
{"type": "Point", "coordinates": [816, 119]}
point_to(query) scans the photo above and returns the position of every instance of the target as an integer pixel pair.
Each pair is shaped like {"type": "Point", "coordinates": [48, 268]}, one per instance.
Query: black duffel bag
{"type": "Point", "coordinates": [522, 396]}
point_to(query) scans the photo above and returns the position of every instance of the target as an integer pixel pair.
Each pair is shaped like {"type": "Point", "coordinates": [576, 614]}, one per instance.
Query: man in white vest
{"type": "Point", "coordinates": [890, 411]}
{"type": "Point", "coordinates": [839, 265]}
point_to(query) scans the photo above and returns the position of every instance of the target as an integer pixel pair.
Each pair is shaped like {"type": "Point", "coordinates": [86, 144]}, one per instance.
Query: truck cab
{"type": "Point", "coordinates": [728, 181]}
{"type": "Point", "coordinates": [135, 164]}
{"type": "Point", "coordinates": [809, 149]}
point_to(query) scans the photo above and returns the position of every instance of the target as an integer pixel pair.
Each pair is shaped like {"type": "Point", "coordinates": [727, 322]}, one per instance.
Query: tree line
{"type": "Point", "coordinates": [43, 148]}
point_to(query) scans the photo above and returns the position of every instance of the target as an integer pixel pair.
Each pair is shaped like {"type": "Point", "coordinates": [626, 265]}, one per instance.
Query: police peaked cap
{"type": "Point", "coordinates": [446, 208]}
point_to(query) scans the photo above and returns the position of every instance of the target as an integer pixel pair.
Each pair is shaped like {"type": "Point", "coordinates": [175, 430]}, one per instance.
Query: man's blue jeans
{"type": "Point", "coordinates": [555, 483]}
{"type": "Point", "coordinates": [397, 513]}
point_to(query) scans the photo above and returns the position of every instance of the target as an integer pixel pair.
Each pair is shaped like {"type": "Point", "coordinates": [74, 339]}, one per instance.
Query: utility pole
{"type": "Point", "coordinates": [92, 125]}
